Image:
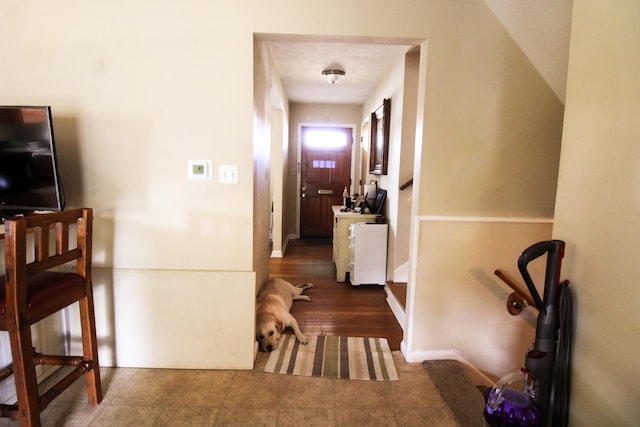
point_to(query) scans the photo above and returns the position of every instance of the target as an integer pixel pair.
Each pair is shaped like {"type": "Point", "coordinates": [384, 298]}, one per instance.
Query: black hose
{"type": "Point", "coordinates": [562, 374]}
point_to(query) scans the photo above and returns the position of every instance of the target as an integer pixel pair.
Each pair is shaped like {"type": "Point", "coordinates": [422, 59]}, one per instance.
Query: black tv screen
{"type": "Point", "coordinates": [378, 206]}
{"type": "Point", "coordinates": [29, 179]}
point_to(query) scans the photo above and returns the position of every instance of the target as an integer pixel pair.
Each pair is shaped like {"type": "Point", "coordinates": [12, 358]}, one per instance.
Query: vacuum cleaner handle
{"type": "Point", "coordinates": [555, 251]}
{"type": "Point", "coordinates": [547, 323]}
{"type": "Point", "coordinates": [533, 252]}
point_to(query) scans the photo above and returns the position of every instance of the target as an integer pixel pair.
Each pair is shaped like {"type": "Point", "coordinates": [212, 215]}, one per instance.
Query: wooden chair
{"type": "Point", "coordinates": [32, 291]}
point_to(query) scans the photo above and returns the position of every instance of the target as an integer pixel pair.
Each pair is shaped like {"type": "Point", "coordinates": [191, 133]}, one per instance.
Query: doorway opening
{"type": "Point", "coordinates": [325, 172]}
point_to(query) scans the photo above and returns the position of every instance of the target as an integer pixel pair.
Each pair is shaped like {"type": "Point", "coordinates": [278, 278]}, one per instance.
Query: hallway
{"type": "Point", "coordinates": [335, 308]}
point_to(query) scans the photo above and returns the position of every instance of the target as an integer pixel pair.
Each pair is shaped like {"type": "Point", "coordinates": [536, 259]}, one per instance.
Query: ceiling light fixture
{"type": "Point", "coordinates": [333, 76]}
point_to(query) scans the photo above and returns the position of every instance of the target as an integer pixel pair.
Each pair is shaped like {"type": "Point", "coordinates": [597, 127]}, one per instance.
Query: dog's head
{"type": "Point", "coordinates": [268, 331]}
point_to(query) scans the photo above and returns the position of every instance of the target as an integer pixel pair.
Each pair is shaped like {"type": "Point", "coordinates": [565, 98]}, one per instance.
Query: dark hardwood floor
{"type": "Point", "coordinates": [335, 308]}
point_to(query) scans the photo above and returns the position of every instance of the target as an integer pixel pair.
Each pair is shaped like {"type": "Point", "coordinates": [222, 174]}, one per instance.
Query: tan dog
{"type": "Point", "coordinates": [272, 311]}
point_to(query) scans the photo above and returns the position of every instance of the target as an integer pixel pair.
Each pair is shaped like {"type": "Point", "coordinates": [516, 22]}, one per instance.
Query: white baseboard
{"type": "Point", "coordinates": [287, 238]}
{"type": "Point", "coordinates": [401, 273]}
{"type": "Point", "coordinates": [280, 253]}
{"type": "Point", "coordinates": [396, 307]}
{"type": "Point", "coordinates": [476, 376]}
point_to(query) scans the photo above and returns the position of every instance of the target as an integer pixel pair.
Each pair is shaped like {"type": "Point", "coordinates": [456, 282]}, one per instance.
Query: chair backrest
{"type": "Point", "coordinates": [49, 237]}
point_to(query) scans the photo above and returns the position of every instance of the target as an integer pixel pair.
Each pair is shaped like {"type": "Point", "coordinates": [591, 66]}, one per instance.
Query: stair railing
{"type": "Point", "coordinates": [518, 300]}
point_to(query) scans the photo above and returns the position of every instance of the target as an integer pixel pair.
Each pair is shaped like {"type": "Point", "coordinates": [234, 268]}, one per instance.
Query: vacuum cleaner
{"type": "Point", "coordinates": [537, 395]}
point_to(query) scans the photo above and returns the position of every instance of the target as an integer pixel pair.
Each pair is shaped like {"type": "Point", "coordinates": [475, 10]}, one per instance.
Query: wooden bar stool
{"type": "Point", "coordinates": [33, 291]}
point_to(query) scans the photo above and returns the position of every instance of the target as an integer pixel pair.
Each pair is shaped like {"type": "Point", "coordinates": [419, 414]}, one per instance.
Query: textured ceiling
{"type": "Point", "coordinates": [540, 28]}
{"type": "Point", "coordinates": [300, 65]}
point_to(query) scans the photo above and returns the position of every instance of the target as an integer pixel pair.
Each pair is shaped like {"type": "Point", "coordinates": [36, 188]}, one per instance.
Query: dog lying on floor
{"type": "Point", "coordinates": [273, 311]}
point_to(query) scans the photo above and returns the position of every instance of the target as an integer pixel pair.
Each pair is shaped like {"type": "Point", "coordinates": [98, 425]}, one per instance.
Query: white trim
{"type": "Point", "coordinates": [411, 289]}
{"type": "Point", "coordinates": [395, 306]}
{"type": "Point", "coordinates": [287, 238]}
{"type": "Point", "coordinates": [439, 218]}
{"type": "Point", "coordinates": [401, 273]}
{"type": "Point", "coordinates": [476, 376]}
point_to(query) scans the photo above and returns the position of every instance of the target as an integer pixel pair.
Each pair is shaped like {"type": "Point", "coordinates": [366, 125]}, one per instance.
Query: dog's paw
{"type": "Point", "coordinates": [308, 285]}
{"type": "Point", "coordinates": [303, 339]}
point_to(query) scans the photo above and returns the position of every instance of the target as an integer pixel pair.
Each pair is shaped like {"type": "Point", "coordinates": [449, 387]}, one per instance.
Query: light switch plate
{"type": "Point", "coordinates": [199, 169]}
{"type": "Point", "coordinates": [228, 174]}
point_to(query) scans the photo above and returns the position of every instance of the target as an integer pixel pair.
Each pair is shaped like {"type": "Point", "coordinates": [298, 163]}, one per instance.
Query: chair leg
{"type": "Point", "coordinates": [90, 349]}
{"type": "Point", "coordinates": [25, 376]}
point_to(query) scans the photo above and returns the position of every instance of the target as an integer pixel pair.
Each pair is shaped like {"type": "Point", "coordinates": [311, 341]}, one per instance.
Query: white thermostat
{"type": "Point", "coordinates": [199, 169]}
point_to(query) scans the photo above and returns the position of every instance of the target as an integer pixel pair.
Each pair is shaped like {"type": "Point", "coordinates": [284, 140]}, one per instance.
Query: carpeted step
{"type": "Point", "coordinates": [463, 398]}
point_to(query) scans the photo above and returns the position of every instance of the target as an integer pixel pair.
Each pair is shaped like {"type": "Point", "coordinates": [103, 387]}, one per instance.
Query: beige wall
{"type": "Point", "coordinates": [170, 319]}
{"type": "Point", "coordinates": [459, 305]}
{"type": "Point", "coordinates": [137, 89]}
{"type": "Point", "coordinates": [598, 210]}
{"type": "Point", "coordinates": [541, 29]}
{"type": "Point", "coordinates": [269, 103]}
{"type": "Point", "coordinates": [399, 263]}
{"type": "Point", "coordinates": [492, 126]}
{"type": "Point", "coordinates": [279, 153]}
{"type": "Point", "coordinates": [392, 86]}
{"type": "Point", "coordinates": [488, 142]}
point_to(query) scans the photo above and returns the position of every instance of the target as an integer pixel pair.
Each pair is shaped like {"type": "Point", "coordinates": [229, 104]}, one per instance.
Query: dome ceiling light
{"type": "Point", "coordinates": [333, 76]}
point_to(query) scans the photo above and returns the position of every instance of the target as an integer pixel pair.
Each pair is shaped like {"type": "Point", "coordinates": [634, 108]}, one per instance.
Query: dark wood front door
{"type": "Point", "coordinates": [325, 172]}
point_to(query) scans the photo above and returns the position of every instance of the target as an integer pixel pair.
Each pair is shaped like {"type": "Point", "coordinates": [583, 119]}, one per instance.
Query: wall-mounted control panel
{"type": "Point", "coordinates": [228, 174]}
{"type": "Point", "coordinates": [203, 169]}
{"type": "Point", "coordinates": [199, 169]}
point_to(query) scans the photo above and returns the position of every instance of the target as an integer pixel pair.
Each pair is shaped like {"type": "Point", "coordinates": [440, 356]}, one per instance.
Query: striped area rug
{"type": "Point", "coordinates": [334, 357]}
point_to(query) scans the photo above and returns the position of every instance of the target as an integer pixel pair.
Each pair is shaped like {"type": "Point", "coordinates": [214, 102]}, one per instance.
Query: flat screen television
{"type": "Point", "coordinates": [378, 205]}
{"type": "Point", "coordinates": [375, 203]}
{"type": "Point", "coordinates": [29, 178]}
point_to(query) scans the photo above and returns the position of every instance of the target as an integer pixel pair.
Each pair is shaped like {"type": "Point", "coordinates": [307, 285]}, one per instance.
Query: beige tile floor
{"type": "Point", "coordinates": [167, 397]}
